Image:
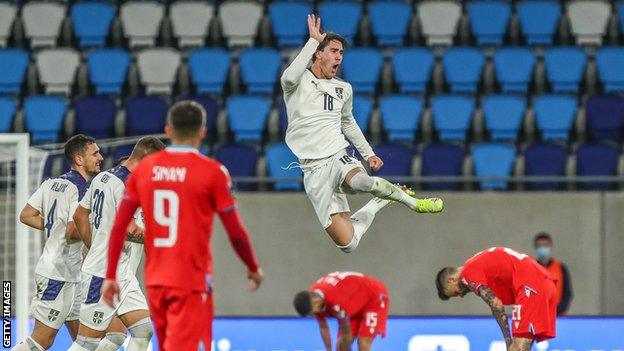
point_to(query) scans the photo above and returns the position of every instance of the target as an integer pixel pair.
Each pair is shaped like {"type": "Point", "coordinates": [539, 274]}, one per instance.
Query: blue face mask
{"type": "Point", "coordinates": [543, 252]}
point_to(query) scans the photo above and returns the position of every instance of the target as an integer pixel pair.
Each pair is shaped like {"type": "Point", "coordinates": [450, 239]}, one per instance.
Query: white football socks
{"type": "Point", "coordinates": [361, 220]}
{"type": "Point", "coordinates": [386, 190]}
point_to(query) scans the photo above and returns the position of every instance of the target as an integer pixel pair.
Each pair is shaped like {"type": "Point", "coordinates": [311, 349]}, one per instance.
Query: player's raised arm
{"type": "Point", "coordinates": [292, 74]}
{"type": "Point", "coordinates": [498, 311]}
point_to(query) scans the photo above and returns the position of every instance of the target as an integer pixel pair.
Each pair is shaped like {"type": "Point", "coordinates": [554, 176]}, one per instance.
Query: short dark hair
{"type": "Point", "coordinates": [542, 236]}
{"type": "Point", "coordinates": [120, 160]}
{"type": "Point", "coordinates": [186, 118]}
{"type": "Point", "coordinates": [77, 145]}
{"type": "Point", "coordinates": [329, 36]}
{"type": "Point", "coordinates": [303, 303]}
{"type": "Point", "coordinates": [440, 281]}
{"type": "Point", "coordinates": [145, 146]}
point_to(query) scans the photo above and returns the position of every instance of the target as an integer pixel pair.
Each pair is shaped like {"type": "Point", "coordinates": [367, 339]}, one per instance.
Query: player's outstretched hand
{"type": "Point", "coordinates": [375, 163]}
{"type": "Point", "coordinates": [110, 291]}
{"type": "Point", "coordinates": [255, 279]}
{"type": "Point", "coordinates": [314, 27]}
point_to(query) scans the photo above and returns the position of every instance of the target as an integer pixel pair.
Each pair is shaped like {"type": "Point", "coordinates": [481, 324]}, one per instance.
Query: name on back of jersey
{"type": "Point", "coordinates": [168, 174]}
{"type": "Point", "coordinates": [59, 187]}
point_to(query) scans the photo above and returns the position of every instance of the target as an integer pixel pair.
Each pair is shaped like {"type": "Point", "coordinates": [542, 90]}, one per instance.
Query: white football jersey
{"type": "Point", "coordinates": [56, 199]}
{"type": "Point", "coordinates": [320, 116]}
{"type": "Point", "coordinates": [102, 199]}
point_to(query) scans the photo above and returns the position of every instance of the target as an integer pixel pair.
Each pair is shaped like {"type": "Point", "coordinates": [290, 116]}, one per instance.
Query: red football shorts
{"type": "Point", "coordinates": [182, 318]}
{"type": "Point", "coordinates": [534, 314]}
{"type": "Point", "coordinates": [372, 319]}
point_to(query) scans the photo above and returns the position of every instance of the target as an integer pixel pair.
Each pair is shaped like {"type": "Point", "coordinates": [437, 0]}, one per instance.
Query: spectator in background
{"type": "Point", "coordinates": [543, 244]}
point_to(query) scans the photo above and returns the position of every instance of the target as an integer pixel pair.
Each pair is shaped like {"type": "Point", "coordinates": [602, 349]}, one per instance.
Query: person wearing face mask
{"type": "Point", "coordinates": [543, 244]}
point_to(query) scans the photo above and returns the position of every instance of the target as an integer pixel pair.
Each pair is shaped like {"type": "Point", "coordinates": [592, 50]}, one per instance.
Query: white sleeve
{"type": "Point", "coordinates": [353, 132]}
{"type": "Point", "coordinates": [118, 193]}
{"type": "Point", "coordinates": [292, 75]}
{"type": "Point", "coordinates": [36, 199]}
{"type": "Point", "coordinates": [86, 199]}
{"type": "Point", "coordinates": [72, 203]}
{"type": "Point", "coordinates": [138, 218]}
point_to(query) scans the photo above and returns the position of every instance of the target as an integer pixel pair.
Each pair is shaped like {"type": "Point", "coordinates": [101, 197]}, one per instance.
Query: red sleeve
{"type": "Point", "coordinates": [473, 276]}
{"type": "Point", "coordinates": [125, 213]}
{"type": "Point", "coordinates": [239, 238]}
{"type": "Point", "coordinates": [221, 193]}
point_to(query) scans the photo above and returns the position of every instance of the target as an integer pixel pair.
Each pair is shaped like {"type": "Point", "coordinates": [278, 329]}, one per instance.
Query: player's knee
{"type": "Point", "coordinates": [141, 329]}
{"type": "Point", "coordinates": [361, 182]}
{"type": "Point", "coordinates": [116, 338]}
{"type": "Point", "coordinates": [350, 247]}
{"type": "Point", "coordinates": [364, 343]}
{"type": "Point", "coordinates": [44, 342]}
{"type": "Point", "coordinates": [87, 343]}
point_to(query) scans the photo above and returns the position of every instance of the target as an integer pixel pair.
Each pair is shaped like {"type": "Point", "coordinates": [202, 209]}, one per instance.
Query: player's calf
{"type": "Point", "coordinates": [29, 345]}
{"type": "Point", "coordinates": [111, 342]}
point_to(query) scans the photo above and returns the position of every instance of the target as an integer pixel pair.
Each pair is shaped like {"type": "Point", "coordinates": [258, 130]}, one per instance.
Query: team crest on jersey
{"type": "Point", "coordinates": [528, 290]}
{"type": "Point", "coordinates": [98, 317]}
{"type": "Point", "coordinates": [339, 92]}
{"type": "Point", "coordinates": [53, 315]}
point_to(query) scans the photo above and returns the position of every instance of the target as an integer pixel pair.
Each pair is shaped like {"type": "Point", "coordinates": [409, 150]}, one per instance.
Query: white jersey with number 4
{"type": "Point", "coordinates": [56, 199]}
{"type": "Point", "coordinates": [320, 116]}
{"type": "Point", "coordinates": [102, 199]}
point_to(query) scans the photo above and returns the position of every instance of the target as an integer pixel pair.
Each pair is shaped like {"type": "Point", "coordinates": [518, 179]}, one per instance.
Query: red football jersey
{"type": "Point", "coordinates": [179, 191]}
{"type": "Point", "coordinates": [347, 293]}
{"type": "Point", "coordinates": [503, 270]}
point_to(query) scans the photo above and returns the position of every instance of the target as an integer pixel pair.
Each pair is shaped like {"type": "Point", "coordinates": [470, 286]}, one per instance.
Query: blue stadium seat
{"type": "Point", "coordinates": [361, 68]}
{"type": "Point", "coordinates": [95, 116]}
{"type": "Point", "coordinates": [145, 115]}
{"type": "Point", "coordinates": [288, 20]}
{"type": "Point", "coordinates": [596, 160]}
{"type": "Point", "coordinates": [389, 21]}
{"type": "Point", "coordinates": [259, 69]}
{"type": "Point", "coordinates": [488, 20]}
{"type": "Point", "coordinates": [341, 17]}
{"type": "Point", "coordinates": [283, 116]}
{"type": "Point", "coordinates": [412, 69]}
{"type": "Point", "coordinates": [278, 159]}
{"type": "Point", "coordinates": [565, 67]}
{"type": "Point", "coordinates": [7, 112]}
{"type": "Point", "coordinates": [209, 69]}
{"type": "Point", "coordinates": [212, 110]}
{"type": "Point", "coordinates": [247, 116]}
{"type": "Point", "coordinates": [514, 69]}
{"type": "Point", "coordinates": [400, 115]}
{"type": "Point", "coordinates": [241, 160]}
{"type": "Point", "coordinates": [604, 115]}
{"type": "Point", "coordinates": [555, 116]}
{"type": "Point", "coordinates": [610, 62]}
{"type": "Point", "coordinates": [121, 151]}
{"type": "Point", "coordinates": [362, 110]}
{"type": "Point", "coordinates": [538, 20]}
{"type": "Point", "coordinates": [493, 160]}
{"type": "Point", "coordinates": [108, 69]}
{"type": "Point", "coordinates": [463, 68]}
{"type": "Point", "coordinates": [398, 160]}
{"type": "Point", "coordinates": [13, 65]}
{"type": "Point", "coordinates": [452, 115]}
{"type": "Point", "coordinates": [43, 116]}
{"type": "Point", "coordinates": [545, 160]}
{"type": "Point", "coordinates": [503, 116]}
{"type": "Point", "coordinates": [91, 22]}
{"type": "Point", "coordinates": [442, 159]}
{"type": "Point", "coordinates": [620, 10]}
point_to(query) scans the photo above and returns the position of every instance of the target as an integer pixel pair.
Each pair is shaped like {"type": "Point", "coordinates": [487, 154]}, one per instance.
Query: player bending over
{"type": "Point", "coordinates": [94, 220]}
{"type": "Point", "coordinates": [502, 276]}
{"type": "Point", "coordinates": [359, 302]}
{"type": "Point", "coordinates": [179, 190]}
{"type": "Point", "coordinates": [57, 274]}
{"type": "Point", "coordinates": [320, 120]}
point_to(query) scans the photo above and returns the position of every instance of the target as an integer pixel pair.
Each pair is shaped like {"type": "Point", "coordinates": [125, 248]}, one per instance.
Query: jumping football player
{"type": "Point", "coordinates": [320, 121]}
{"type": "Point", "coordinates": [502, 276]}
{"type": "Point", "coordinates": [179, 190]}
{"type": "Point", "coordinates": [359, 302]}
{"type": "Point", "coordinates": [94, 219]}
{"type": "Point", "coordinates": [57, 274]}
